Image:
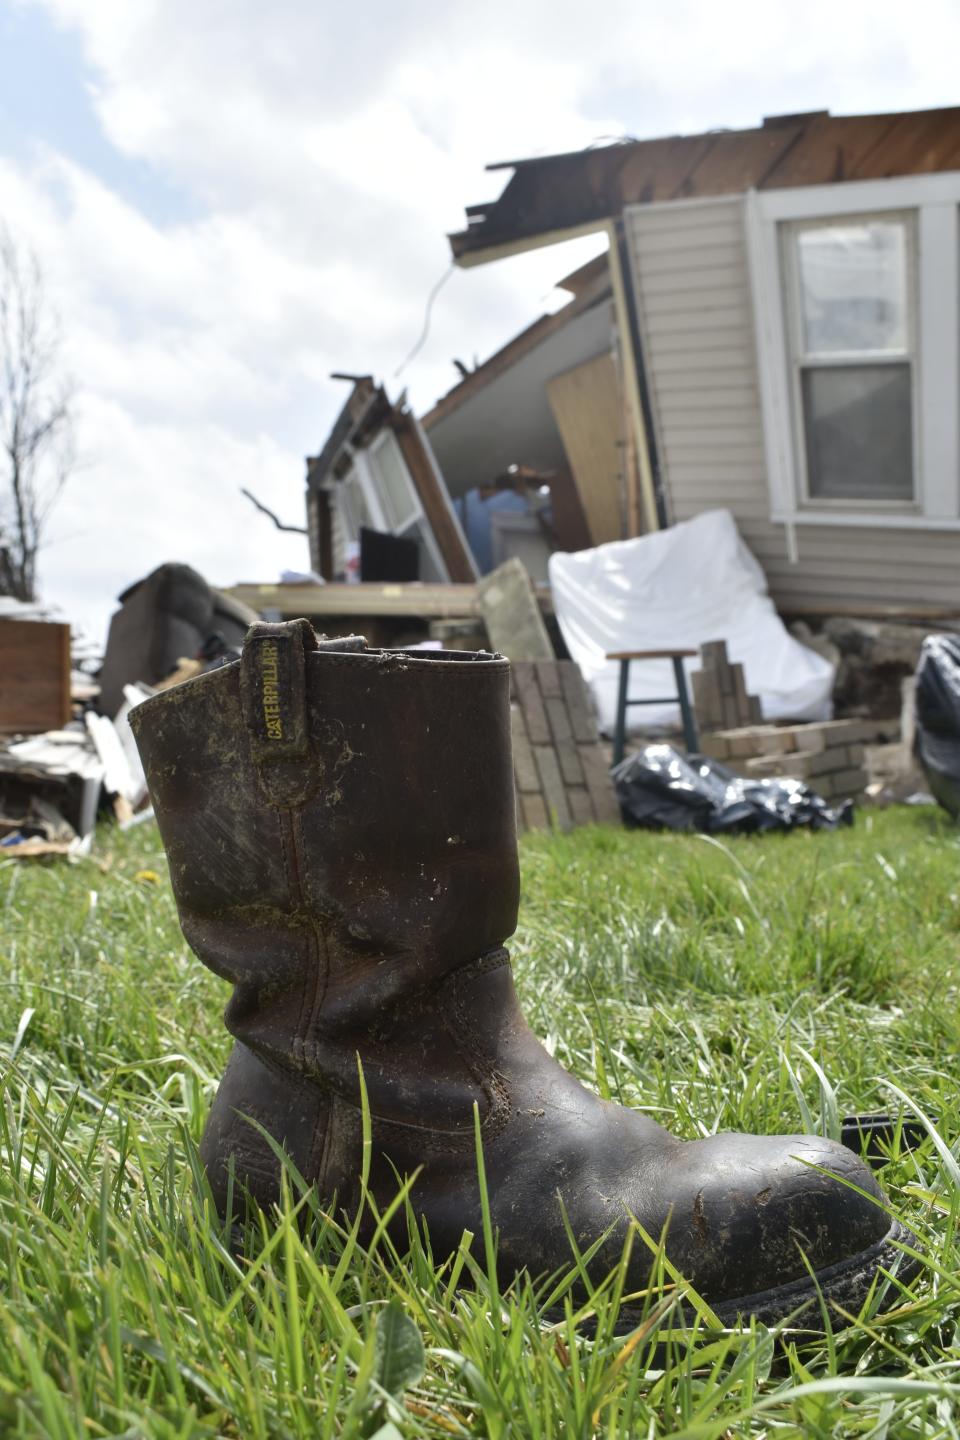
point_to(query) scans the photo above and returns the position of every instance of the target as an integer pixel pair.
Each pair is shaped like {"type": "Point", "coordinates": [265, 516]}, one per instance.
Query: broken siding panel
{"type": "Point", "coordinates": [702, 364]}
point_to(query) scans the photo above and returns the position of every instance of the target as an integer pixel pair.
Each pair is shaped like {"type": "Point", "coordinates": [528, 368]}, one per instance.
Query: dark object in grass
{"type": "Point", "coordinates": [872, 1136]}
{"type": "Point", "coordinates": [937, 740]}
{"type": "Point", "coordinates": [340, 824]}
{"type": "Point", "coordinates": [661, 789]}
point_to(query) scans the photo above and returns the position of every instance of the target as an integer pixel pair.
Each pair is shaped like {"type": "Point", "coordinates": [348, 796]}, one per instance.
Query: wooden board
{"type": "Point", "coordinates": [434, 497]}
{"type": "Point", "coordinates": [423, 599]}
{"type": "Point", "coordinates": [587, 408]}
{"type": "Point", "coordinates": [508, 604]}
{"type": "Point", "coordinates": [34, 676]}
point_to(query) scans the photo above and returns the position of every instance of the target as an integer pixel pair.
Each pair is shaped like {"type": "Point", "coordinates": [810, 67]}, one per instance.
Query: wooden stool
{"type": "Point", "coordinates": [678, 657]}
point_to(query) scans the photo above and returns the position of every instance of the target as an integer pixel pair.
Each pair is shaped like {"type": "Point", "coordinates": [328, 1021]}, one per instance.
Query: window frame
{"type": "Point", "coordinates": [365, 473]}
{"type": "Point", "coordinates": [933, 202]}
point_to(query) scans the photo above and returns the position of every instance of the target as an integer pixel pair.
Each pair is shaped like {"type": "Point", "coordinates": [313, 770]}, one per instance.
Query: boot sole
{"type": "Point", "coordinates": [846, 1284]}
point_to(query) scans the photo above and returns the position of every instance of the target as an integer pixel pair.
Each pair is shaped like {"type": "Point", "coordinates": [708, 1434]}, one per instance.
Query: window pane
{"type": "Point", "coordinates": [396, 488]}
{"type": "Point", "coordinates": [353, 506]}
{"type": "Point", "coordinates": [859, 432]}
{"type": "Point", "coordinates": [428, 567]}
{"type": "Point", "coordinates": [853, 286]}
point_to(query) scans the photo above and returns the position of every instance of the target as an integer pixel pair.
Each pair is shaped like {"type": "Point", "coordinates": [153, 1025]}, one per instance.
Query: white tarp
{"type": "Point", "coordinates": [675, 590]}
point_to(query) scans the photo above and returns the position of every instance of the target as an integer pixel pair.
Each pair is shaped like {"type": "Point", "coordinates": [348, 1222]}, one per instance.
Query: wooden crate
{"type": "Point", "coordinates": [34, 676]}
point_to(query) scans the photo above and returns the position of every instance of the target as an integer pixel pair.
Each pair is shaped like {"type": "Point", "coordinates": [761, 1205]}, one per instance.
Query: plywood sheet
{"type": "Point", "coordinates": [587, 407]}
{"type": "Point", "coordinates": [34, 676]}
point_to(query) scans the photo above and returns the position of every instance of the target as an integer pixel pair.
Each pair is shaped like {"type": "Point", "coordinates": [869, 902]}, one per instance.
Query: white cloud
{"type": "Point", "coordinates": [325, 149]}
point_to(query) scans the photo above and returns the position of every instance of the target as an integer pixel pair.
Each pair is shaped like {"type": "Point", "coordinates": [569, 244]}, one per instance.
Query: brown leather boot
{"type": "Point", "coordinates": [340, 829]}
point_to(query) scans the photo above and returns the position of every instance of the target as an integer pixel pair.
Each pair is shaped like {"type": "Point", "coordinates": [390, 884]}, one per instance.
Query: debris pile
{"type": "Point", "coordinates": [828, 754]}
{"type": "Point", "coordinates": [660, 789]}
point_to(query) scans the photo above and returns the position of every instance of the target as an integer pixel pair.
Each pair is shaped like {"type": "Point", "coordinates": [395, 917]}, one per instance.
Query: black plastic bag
{"type": "Point", "coordinates": [938, 718]}
{"type": "Point", "coordinates": [661, 789]}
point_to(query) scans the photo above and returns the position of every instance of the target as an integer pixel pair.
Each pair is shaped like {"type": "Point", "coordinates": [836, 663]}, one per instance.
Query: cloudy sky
{"type": "Point", "coordinates": [231, 199]}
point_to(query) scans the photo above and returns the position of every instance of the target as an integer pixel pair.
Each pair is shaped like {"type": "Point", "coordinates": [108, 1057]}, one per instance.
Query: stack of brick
{"type": "Point", "coordinates": [827, 755]}
{"type": "Point", "coordinates": [560, 765]}
{"type": "Point", "coordinates": [720, 697]}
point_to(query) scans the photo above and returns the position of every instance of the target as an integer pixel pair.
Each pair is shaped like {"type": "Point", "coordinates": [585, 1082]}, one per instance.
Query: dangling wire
{"type": "Point", "coordinates": [426, 318]}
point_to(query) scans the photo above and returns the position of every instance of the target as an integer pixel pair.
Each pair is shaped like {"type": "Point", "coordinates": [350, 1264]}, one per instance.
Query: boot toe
{"type": "Point", "coordinates": [752, 1215]}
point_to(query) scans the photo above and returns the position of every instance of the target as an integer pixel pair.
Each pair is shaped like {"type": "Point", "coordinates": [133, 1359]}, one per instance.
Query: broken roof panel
{"type": "Point", "coordinates": [557, 193]}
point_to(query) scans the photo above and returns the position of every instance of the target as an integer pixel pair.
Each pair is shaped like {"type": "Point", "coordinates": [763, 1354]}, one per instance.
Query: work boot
{"type": "Point", "coordinates": [340, 828]}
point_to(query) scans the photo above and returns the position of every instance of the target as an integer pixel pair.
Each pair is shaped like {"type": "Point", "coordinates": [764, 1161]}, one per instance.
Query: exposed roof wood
{"type": "Point", "coordinates": [558, 192]}
{"type": "Point", "coordinates": [587, 285]}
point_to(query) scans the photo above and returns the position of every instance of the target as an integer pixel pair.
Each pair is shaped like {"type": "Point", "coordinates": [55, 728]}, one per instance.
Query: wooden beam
{"type": "Point", "coordinates": [425, 601]}
{"type": "Point", "coordinates": [434, 497]}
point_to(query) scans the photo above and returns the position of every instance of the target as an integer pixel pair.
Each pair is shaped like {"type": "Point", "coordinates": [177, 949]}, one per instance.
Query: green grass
{"type": "Point", "coordinates": [704, 982]}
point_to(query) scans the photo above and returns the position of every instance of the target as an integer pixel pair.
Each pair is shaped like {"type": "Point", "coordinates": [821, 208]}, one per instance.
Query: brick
{"type": "Point", "coordinates": [548, 676]}
{"type": "Point", "coordinates": [524, 766]}
{"type": "Point", "coordinates": [825, 734]}
{"type": "Point", "coordinates": [534, 812]}
{"type": "Point", "coordinates": [756, 710]}
{"type": "Point", "coordinates": [725, 680]}
{"type": "Point", "coordinates": [772, 741]}
{"type": "Point", "coordinates": [850, 782]}
{"type": "Point", "coordinates": [729, 710]}
{"type": "Point", "coordinates": [583, 721]}
{"type": "Point", "coordinates": [527, 692]}
{"type": "Point", "coordinates": [707, 701]}
{"type": "Point", "coordinates": [581, 806]}
{"type": "Point", "coordinates": [713, 653]}
{"type": "Point", "coordinates": [826, 762]}
{"type": "Point", "coordinates": [740, 742]}
{"type": "Point", "coordinates": [740, 694]}
{"type": "Point", "coordinates": [552, 786]}
{"type": "Point", "coordinates": [597, 773]}
{"type": "Point", "coordinates": [563, 741]}
{"type": "Point", "coordinates": [796, 767]}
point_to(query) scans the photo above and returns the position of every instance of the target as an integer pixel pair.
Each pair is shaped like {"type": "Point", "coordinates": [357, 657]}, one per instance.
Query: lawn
{"type": "Point", "coordinates": [764, 984]}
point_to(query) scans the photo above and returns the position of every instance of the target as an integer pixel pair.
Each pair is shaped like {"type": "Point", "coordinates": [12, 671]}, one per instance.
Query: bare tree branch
{"type": "Point", "coordinates": [293, 529]}
{"type": "Point", "coordinates": [35, 417]}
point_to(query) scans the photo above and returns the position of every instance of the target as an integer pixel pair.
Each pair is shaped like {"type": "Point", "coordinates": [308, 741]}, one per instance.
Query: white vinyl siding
{"type": "Point", "coordinates": [702, 369]}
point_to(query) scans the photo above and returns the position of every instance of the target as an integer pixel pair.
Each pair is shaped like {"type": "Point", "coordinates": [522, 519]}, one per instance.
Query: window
{"type": "Point", "coordinates": [353, 505]}
{"type": "Point", "coordinates": [851, 324]}
{"type": "Point", "coordinates": [855, 290]}
{"type": "Point", "coordinates": [378, 492]}
{"type": "Point", "coordinates": [400, 500]}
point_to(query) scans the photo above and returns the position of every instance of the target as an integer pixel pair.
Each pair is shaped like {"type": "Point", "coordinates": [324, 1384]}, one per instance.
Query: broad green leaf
{"type": "Point", "coordinates": [398, 1350]}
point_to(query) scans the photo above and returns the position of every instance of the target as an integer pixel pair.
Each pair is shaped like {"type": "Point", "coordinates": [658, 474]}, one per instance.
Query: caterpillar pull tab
{"type": "Point", "coordinates": [273, 685]}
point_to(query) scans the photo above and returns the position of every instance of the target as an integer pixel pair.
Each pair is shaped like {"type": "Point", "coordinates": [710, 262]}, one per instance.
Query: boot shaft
{"type": "Point", "coordinates": [340, 829]}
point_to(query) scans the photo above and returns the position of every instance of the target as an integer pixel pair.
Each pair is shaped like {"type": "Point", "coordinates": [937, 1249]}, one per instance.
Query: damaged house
{"type": "Point", "coordinates": [776, 331]}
